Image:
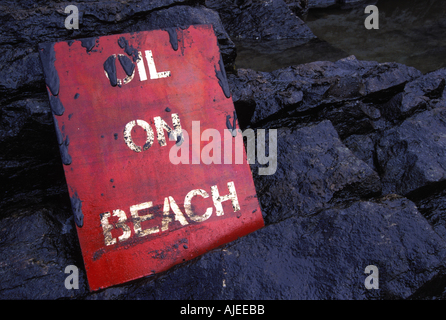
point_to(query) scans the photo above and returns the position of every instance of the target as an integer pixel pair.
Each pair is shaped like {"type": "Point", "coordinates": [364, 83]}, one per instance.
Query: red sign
{"type": "Point", "coordinates": [138, 117]}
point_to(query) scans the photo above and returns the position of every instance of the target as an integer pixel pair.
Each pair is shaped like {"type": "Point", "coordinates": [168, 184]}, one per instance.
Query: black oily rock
{"type": "Point", "coordinates": [316, 257]}
{"type": "Point", "coordinates": [327, 253]}
{"type": "Point", "coordinates": [329, 3]}
{"type": "Point", "coordinates": [314, 170]}
{"type": "Point", "coordinates": [261, 20]}
{"type": "Point", "coordinates": [363, 147]}
{"type": "Point", "coordinates": [433, 208]}
{"type": "Point", "coordinates": [299, 7]}
{"type": "Point", "coordinates": [307, 88]}
{"type": "Point", "coordinates": [22, 32]}
{"type": "Point", "coordinates": [417, 96]}
{"type": "Point", "coordinates": [20, 67]}
{"type": "Point", "coordinates": [36, 246]}
{"type": "Point", "coordinates": [45, 21]}
{"type": "Point", "coordinates": [412, 155]}
{"type": "Point", "coordinates": [34, 173]}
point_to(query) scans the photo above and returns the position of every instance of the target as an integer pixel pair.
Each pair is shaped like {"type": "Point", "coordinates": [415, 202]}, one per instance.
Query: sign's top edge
{"type": "Point", "coordinates": [87, 39]}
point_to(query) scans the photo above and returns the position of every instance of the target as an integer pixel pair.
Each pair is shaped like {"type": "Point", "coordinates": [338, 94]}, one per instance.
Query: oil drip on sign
{"type": "Point", "coordinates": [121, 104]}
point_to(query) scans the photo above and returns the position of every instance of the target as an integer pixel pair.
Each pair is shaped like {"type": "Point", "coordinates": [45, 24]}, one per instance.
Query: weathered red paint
{"type": "Point", "coordinates": [105, 175]}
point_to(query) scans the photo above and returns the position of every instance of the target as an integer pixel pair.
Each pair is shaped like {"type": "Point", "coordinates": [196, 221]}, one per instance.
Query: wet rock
{"type": "Point", "coordinates": [363, 147]}
{"type": "Point", "coordinates": [20, 67]}
{"type": "Point", "coordinates": [416, 96]}
{"type": "Point", "coordinates": [326, 254]}
{"type": "Point", "coordinates": [262, 20]}
{"type": "Point", "coordinates": [15, 115]}
{"type": "Point", "coordinates": [299, 7]}
{"type": "Point", "coordinates": [314, 170]}
{"type": "Point", "coordinates": [321, 3]}
{"type": "Point", "coordinates": [31, 167]}
{"type": "Point", "coordinates": [36, 246]}
{"type": "Point", "coordinates": [412, 156]}
{"type": "Point", "coordinates": [23, 30]}
{"type": "Point", "coordinates": [309, 88]}
{"type": "Point", "coordinates": [318, 257]}
{"type": "Point", "coordinates": [433, 208]}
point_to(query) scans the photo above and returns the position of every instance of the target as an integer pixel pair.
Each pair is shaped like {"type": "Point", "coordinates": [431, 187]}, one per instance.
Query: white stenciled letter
{"type": "Point", "coordinates": [371, 282]}
{"type": "Point", "coordinates": [141, 68]}
{"type": "Point", "coordinates": [179, 216]}
{"type": "Point", "coordinates": [152, 69]}
{"type": "Point", "coordinates": [188, 206]}
{"type": "Point", "coordinates": [72, 21]}
{"type": "Point", "coordinates": [174, 135]}
{"type": "Point", "coordinates": [107, 228]}
{"type": "Point", "coordinates": [219, 199]}
{"type": "Point", "coordinates": [128, 135]}
{"type": "Point", "coordinates": [137, 219]}
{"type": "Point", "coordinates": [373, 17]}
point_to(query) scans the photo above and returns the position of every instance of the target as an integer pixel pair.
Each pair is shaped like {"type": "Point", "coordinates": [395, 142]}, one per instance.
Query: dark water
{"type": "Point", "coordinates": [410, 32]}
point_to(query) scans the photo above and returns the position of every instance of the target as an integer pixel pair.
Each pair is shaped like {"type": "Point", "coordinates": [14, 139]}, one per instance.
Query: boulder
{"type": "Point", "coordinates": [314, 170]}
{"type": "Point", "coordinates": [323, 256]}
{"type": "Point", "coordinates": [22, 30]}
{"type": "Point", "coordinates": [433, 208]}
{"type": "Point", "coordinates": [417, 96]}
{"type": "Point", "coordinates": [261, 20]}
{"type": "Point", "coordinates": [299, 7]}
{"type": "Point", "coordinates": [36, 246]}
{"type": "Point", "coordinates": [363, 147]}
{"type": "Point", "coordinates": [321, 3]}
{"type": "Point", "coordinates": [412, 155]}
{"type": "Point", "coordinates": [338, 91]}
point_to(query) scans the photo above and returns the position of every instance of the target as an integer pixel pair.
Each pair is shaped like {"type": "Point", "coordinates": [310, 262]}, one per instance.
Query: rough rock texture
{"type": "Point", "coordinates": [317, 257]}
{"type": "Point", "coordinates": [23, 29]}
{"type": "Point", "coordinates": [299, 7]}
{"type": "Point", "coordinates": [351, 134]}
{"type": "Point", "coordinates": [328, 3]}
{"type": "Point", "coordinates": [36, 247]}
{"type": "Point", "coordinates": [314, 170]}
{"type": "Point", "coordinates": [262, 20]}
{"type": "Point", "coordinates": [347, 84]}
{"type": "Point", "coordinates": [413, 155]}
